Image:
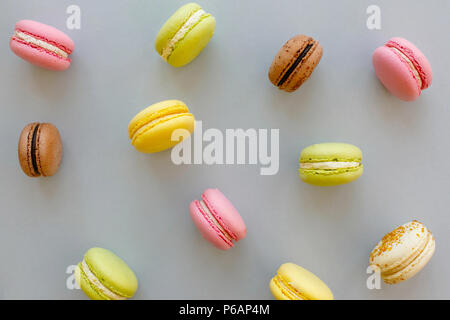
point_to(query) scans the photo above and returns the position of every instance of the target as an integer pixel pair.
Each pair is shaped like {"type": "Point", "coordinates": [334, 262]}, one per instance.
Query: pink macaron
{"type": "Point", "coordinates": [402, 68]}
{"type": "Point", "coordinates": [42, 45]}
{"type": "Point", "coordinates": [217, 219]}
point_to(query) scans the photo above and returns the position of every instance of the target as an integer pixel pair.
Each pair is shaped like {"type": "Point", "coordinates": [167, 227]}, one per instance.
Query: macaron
{"type": "Point", "coordinates": [104, 276]}
{"type": "Point", "coordinates": [40, 149]}
{"type": "Point", "coordinates": [293, 282]}
{"type": "Point", "coordinates": [330, 164]}
{"type": "Point", "coordinates": [42, 45]}
{"type": "Point", "coordinates": [402, 253]}
{"type": "Point", "coordinates": [185, 35]}
{"type": "Point", "coordinates": [402, 68]}
{"type": "Point", "coordinates": [217, 219]}
{"type": "Point", "coordinates": [151, 129]}
{"type": "Point", "coordinates": [295, 62]}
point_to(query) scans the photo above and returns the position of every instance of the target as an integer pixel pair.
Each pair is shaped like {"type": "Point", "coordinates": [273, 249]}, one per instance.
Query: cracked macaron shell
{"type": "Point", "coordinates": [330, 152]}
{"type": "Point", "coordinates": [113, 273]}
{"type": "Point", "coordinates": [303, 282]}
{"type": "Point", "coordinates": [288, 55]}
{"type": "Point", "coordinates": [40, 149]}
{"type": "Point", "coordinates": [39, 56]}
{"type": "Point", "coordinates": [224, 213]}
{"type": "Point", "coordinates": [151, 129]}
{"type": "Point", "coordinates": [193, 42]}
{"type": "Point", "coordinates": [397, 74]}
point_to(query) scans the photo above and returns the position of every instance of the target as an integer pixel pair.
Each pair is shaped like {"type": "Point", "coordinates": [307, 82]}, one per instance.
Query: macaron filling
{"type": "Point", "coordinates": [38, 42]}
{"type": "Point", "coordinates": [93, 280]}
{"type": "Point", "coordinates": [193, 20]}
{"type": "Point", "coordinates": [210, 217]}
{"type": "Point", "coordinates": [329, 165]}
{"type": "Point", "coordinates": [33, 149]}
{"type": "Point", "coordinates": [288, 288]}
{"type": "Point", "coordinates": [394, 47]}
{"type": "Point", "coordinates": [295, 64]}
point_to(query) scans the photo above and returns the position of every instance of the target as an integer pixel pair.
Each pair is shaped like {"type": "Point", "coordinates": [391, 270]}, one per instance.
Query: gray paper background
{"type": "Point", "coordinates": [107, 194]}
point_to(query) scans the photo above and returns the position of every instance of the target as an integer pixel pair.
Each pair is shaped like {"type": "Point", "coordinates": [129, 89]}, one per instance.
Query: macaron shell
{"type": "Point", "coordinates": [113, 272]}
{"type": "Point", "coordinates": [159, 137]}
{"type": "Point", "coordinates": [277, 292]}
{"type": "Point", "coordinates": [304, 70]}
{"type": "Point", "coordinates": [305, 282]}
{"type": "Point", "coordinates": [154, 111]}
{"type": "Point", "coordinates": [38, 56]}
{"type": "Point", "coordinates": [325, 178]}
{"type": "Point", "coordinates": [173, 24]}
{"type": "Point", "coordinates": [207, 229]}
{"type": "Point", "coordinates": [420, 59]}
{"type": "Point", "coordinates": [48, 32]}
{"type": "Point", "coordinates": [419, 263]}
{"type": "Point", "coordinates": [395, 74]}
{"type": "Point", "coordinates": [333, 151]}
{"type": "Point", "coordinates": [49, 149]}
{"type": "Point", "coordinates": [225, 213]}
{"type": "Point", "coordinates": [193, 43]}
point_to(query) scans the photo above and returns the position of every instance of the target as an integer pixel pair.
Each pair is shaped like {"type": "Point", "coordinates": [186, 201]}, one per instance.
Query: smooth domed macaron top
{"type": "Point", "coordinates": [112, 271]}
{"type": "Point", "coordinates": [417, 57]}
{"type": "Point", "coordinates": [173, 24]}
{"type": "Point", "coordinates": [48, 33]}
{"type": "Point", "coordinates": [305, 282]}
{"type": "Point", "coordinates": [400, 244]}
{"type": "Point", "coordinates": [225, 213]}
{"type": "Point", "coordinates": [331, 152]}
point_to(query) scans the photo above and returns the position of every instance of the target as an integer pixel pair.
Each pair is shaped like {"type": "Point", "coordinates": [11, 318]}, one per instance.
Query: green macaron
{"type": "Point", "coordinates": [330, 164]}
{"type": "Point", "coordinates": [104, 276]}
{"type": "Point", "coordinates": [185, 35]}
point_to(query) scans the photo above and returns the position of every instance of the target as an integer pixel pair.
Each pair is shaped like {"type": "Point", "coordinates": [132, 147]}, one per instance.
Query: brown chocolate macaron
{"type": "Point", "coordinates": [295, 62]}
{"type": "Point", "coordinates": [40, 149]}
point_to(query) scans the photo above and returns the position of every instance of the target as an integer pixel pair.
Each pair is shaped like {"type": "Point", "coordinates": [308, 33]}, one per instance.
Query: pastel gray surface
{"type": "Point", "coordinates": [106, 194]}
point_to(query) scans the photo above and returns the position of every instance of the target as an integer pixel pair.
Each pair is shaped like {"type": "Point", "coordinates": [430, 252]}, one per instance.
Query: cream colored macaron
{"type": "Point", "coordinates": [403, 252]}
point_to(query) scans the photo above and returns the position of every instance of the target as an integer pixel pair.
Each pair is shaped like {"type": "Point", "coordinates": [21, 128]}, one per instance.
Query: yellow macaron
{"type": "Point", "coordinates": [151, 129]}
{"type": "Point", "coordinates": [293, 282]}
